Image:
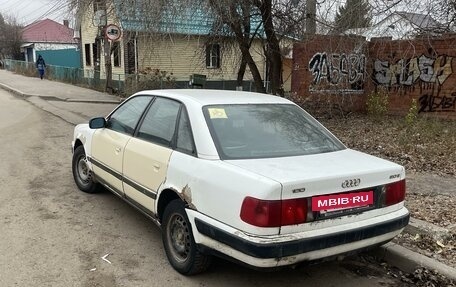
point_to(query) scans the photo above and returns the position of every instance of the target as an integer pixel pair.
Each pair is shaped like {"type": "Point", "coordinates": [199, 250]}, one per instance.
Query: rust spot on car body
{"type": "Point", "coordinates": [187, 196]}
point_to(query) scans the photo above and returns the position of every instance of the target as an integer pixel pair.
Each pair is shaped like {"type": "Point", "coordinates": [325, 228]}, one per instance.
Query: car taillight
{"type": "Point", "coordinates": [294, 211]}
{"type": "Point", "coordinates": [273, 213]}
{"type": "Point", "coordinates": [395, 192]}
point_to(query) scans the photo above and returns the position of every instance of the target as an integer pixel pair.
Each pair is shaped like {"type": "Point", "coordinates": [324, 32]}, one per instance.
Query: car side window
{"type": "Point", "coordinates": [159, 123]}
{"type": "Point", "coordinates": [184, 135]}
{"type": "Point", "coordinates": [126, 117]}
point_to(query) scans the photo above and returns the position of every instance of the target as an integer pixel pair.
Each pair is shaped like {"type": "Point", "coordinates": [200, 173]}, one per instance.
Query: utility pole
{"type": "Point", "coordinates": [311, 15]}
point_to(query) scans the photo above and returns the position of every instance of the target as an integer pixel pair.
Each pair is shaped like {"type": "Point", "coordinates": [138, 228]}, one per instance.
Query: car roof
{"type": "Point", "coordinates": [216, 97]}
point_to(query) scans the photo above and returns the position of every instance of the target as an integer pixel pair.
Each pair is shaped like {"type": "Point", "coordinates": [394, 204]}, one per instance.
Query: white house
{"type": "Point", "coordinates": [400, 25]}
{"type": "Point", "coordinates": [52, 40]}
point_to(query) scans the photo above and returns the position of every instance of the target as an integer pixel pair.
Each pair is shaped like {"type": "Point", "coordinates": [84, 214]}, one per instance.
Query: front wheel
{"type": "Point", "coordinates": [180, 246]}
{"type": "Point", "coordinates": [81, 173]}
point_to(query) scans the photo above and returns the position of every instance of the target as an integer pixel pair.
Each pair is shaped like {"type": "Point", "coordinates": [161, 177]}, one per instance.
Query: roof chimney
{"type": "Point", "coordinates": [66, 23]}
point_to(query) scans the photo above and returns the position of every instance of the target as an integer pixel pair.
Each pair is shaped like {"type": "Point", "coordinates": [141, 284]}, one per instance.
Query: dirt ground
{"type": "Point", "coordinates": [427, 149]}
{"type": "Point", "coordinates": [426, 146]}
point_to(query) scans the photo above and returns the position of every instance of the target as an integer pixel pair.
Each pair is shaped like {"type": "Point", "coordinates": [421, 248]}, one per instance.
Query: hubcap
{"type": "Point", "coordinates": [83, 170]}
{"type": "Point", "coordinates": [179, 237]}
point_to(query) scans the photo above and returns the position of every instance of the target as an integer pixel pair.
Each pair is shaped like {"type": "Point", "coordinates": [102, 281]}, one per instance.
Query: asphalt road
{"type": "Point", "coordinates": [51, 234]}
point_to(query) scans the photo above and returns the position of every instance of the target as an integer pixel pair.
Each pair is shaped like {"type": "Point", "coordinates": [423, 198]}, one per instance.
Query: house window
{"type": "Point", "coordinates": [96, 60]}
{"type": "Point", "coordinates": [213, 56]}
{"type": "Point", "coordinates": [116, 54]}
{"type": "Point", "coordinates": [99, 5]}
{"type": "Point", "coordinates": [88, 60]}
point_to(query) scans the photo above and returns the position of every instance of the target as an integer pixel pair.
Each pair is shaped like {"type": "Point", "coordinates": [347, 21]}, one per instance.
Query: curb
{"type": "Point", "coordinates": [420, 226]}
{"type": "Point", "coordinates": [14, 91]}
{"type": "Point", "coordinates": [93, 101]}
{"type": "Point", "coordinates": [53, 98]}
{"type": "Point", "coordinates": [409, 261]}
{"type": "Point", "coordinates": [42, 103]}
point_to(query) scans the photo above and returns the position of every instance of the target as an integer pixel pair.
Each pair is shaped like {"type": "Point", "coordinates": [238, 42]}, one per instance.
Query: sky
{"type": "Point", "coordinates": [29, 11]}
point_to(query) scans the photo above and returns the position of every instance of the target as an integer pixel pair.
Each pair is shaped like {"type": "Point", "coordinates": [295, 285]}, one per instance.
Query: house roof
{"type": "Point", "coordinates": [422, 21]}
{"type": "Point", "coordinates": [400, 25]}
{"type": "Point", "coordinates": [47, 31]}
{"type": "Point", "coordinates": [184, 19]}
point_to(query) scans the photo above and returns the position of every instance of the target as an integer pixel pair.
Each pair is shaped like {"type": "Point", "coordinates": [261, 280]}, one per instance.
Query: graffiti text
{"type": "Point", "coordinates": [430, 103]}
{"type": "Point", "coordinates": [343, 71]}
{"type": "Point", "coordinates": [408, 71]}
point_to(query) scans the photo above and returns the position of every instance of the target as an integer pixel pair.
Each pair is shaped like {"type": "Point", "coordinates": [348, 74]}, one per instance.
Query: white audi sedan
{"type": "Point", "coordinates": [246, 176]}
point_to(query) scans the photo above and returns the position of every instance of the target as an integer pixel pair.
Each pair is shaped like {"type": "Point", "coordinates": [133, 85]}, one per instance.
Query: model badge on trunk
{"type": "Point", "coordinates": [298, 190]}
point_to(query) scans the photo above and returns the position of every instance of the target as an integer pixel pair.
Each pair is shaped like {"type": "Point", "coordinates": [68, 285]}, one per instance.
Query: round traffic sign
{"type": "Point", "coordinates": [113, 32]}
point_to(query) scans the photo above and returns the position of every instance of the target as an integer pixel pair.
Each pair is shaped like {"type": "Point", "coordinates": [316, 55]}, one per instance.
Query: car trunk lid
{"type": "Point", "coordinates": [327, 173]}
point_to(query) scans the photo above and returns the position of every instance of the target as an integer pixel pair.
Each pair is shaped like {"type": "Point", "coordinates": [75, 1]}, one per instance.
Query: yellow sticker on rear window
{"type": "Point", "coordinates": [217, 113]}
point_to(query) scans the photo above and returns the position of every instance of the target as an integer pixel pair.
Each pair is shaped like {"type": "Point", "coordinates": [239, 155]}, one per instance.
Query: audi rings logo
{"type": "Point", "coordinates": [351, 183]}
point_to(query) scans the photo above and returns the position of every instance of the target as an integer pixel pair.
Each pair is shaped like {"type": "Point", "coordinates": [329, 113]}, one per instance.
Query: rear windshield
{"type": "Point", "coordinates": [267, 130]}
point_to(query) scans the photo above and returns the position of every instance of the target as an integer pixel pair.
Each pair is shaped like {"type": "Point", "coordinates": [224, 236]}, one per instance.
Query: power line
{"type": "Point", "coordinates": [56, 7]}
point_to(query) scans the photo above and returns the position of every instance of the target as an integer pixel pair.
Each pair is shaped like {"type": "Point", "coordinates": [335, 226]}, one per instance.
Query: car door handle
{"type": "Point", "coordinates": [118, 149]}
{"type": "Point", "coordinates": [156, 166]}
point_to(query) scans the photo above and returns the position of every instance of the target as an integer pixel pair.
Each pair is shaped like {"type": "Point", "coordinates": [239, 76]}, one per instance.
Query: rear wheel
{"type": "Point", "coordinates": [180, 246]}
{"type": "Point", "coordinates": [81, 173]}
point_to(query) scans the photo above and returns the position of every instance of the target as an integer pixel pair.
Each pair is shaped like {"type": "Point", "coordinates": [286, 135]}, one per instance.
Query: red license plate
{"type": "Point", "coordinates": [342, 201]}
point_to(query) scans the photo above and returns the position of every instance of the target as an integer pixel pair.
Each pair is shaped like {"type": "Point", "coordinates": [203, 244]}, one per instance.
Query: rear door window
{"type": "Point", "coordinates": [159, 123]}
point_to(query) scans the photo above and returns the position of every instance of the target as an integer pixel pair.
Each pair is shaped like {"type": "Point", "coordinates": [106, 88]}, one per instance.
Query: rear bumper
{"type": "Point", "coordinates": [284, 250]}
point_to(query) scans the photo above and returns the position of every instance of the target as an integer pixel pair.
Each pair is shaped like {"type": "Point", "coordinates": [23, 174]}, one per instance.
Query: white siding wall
{"type": "Point", "coordinates": [185, 55]}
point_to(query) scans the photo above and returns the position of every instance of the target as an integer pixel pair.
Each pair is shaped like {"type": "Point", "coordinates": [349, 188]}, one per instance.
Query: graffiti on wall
{"type": "Point", "coordinates": [427, 73]}
{"type": "Point", "coordinates": [342, 72]}
{"type": "Point", "coordinates": [431, 103]}
{"type": "Point", "coordinates": [407, 72]}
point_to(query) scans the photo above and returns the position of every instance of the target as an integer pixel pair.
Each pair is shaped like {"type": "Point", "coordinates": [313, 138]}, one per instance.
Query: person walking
{"type": "Point", "coordinates": [40, 65]}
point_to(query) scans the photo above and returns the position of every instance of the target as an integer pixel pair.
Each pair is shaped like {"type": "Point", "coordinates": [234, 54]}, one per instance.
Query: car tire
{"type": "Point", "coordinates": [180, 246]}
{"type": "Point", "coordinates": [81, 173]}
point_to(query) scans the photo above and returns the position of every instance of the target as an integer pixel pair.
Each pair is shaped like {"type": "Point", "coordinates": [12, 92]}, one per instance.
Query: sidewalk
{"type": "Point", "coordinates": [75, 105]}
{"type": "Point", "coordinates": [71, 103]}
{"type": "Point", "coordinates": [51, 90]}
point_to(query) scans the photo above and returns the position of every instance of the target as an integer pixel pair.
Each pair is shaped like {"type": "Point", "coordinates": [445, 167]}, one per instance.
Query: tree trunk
{"type": "Point", "coordinates": [252, 66]}
{"type": "Point", "coordinates": [108, 65]}
{"type": "Point", "coordinates": [273, 47]}
{"type": "Point", "coordinates": [246, 27]}
{"type": "Point", "coordinates": [245, 51]}
{"type": "Point", "coordinates": [241, 72]}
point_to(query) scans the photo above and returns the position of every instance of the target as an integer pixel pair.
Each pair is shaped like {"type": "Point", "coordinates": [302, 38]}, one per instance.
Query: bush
{"type": "Point", "coordinates": [412, 115]}
{"type": "Point", "coordinates": [149, 79]}
{"type": "Point", "coordinates": [377, 103]}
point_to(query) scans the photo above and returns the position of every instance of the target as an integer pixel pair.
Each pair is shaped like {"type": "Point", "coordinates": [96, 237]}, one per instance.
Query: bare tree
{"type": "Point", "coordinates": [273, 21]}
{"type": "Point", "coordinates": [10, 38]}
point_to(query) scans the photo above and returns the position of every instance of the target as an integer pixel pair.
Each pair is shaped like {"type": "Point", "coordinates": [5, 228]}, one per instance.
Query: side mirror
{"type": "Point", "coordinates": [97, 123]}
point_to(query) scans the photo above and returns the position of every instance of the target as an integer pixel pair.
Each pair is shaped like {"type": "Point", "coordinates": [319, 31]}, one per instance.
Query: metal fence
{"type": "Point", "coordinates": [124, 84]}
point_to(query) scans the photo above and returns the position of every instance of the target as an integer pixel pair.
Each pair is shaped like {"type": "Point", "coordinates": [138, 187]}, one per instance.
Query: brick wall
{"type": "Point", "coordinates": [341, 71]}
